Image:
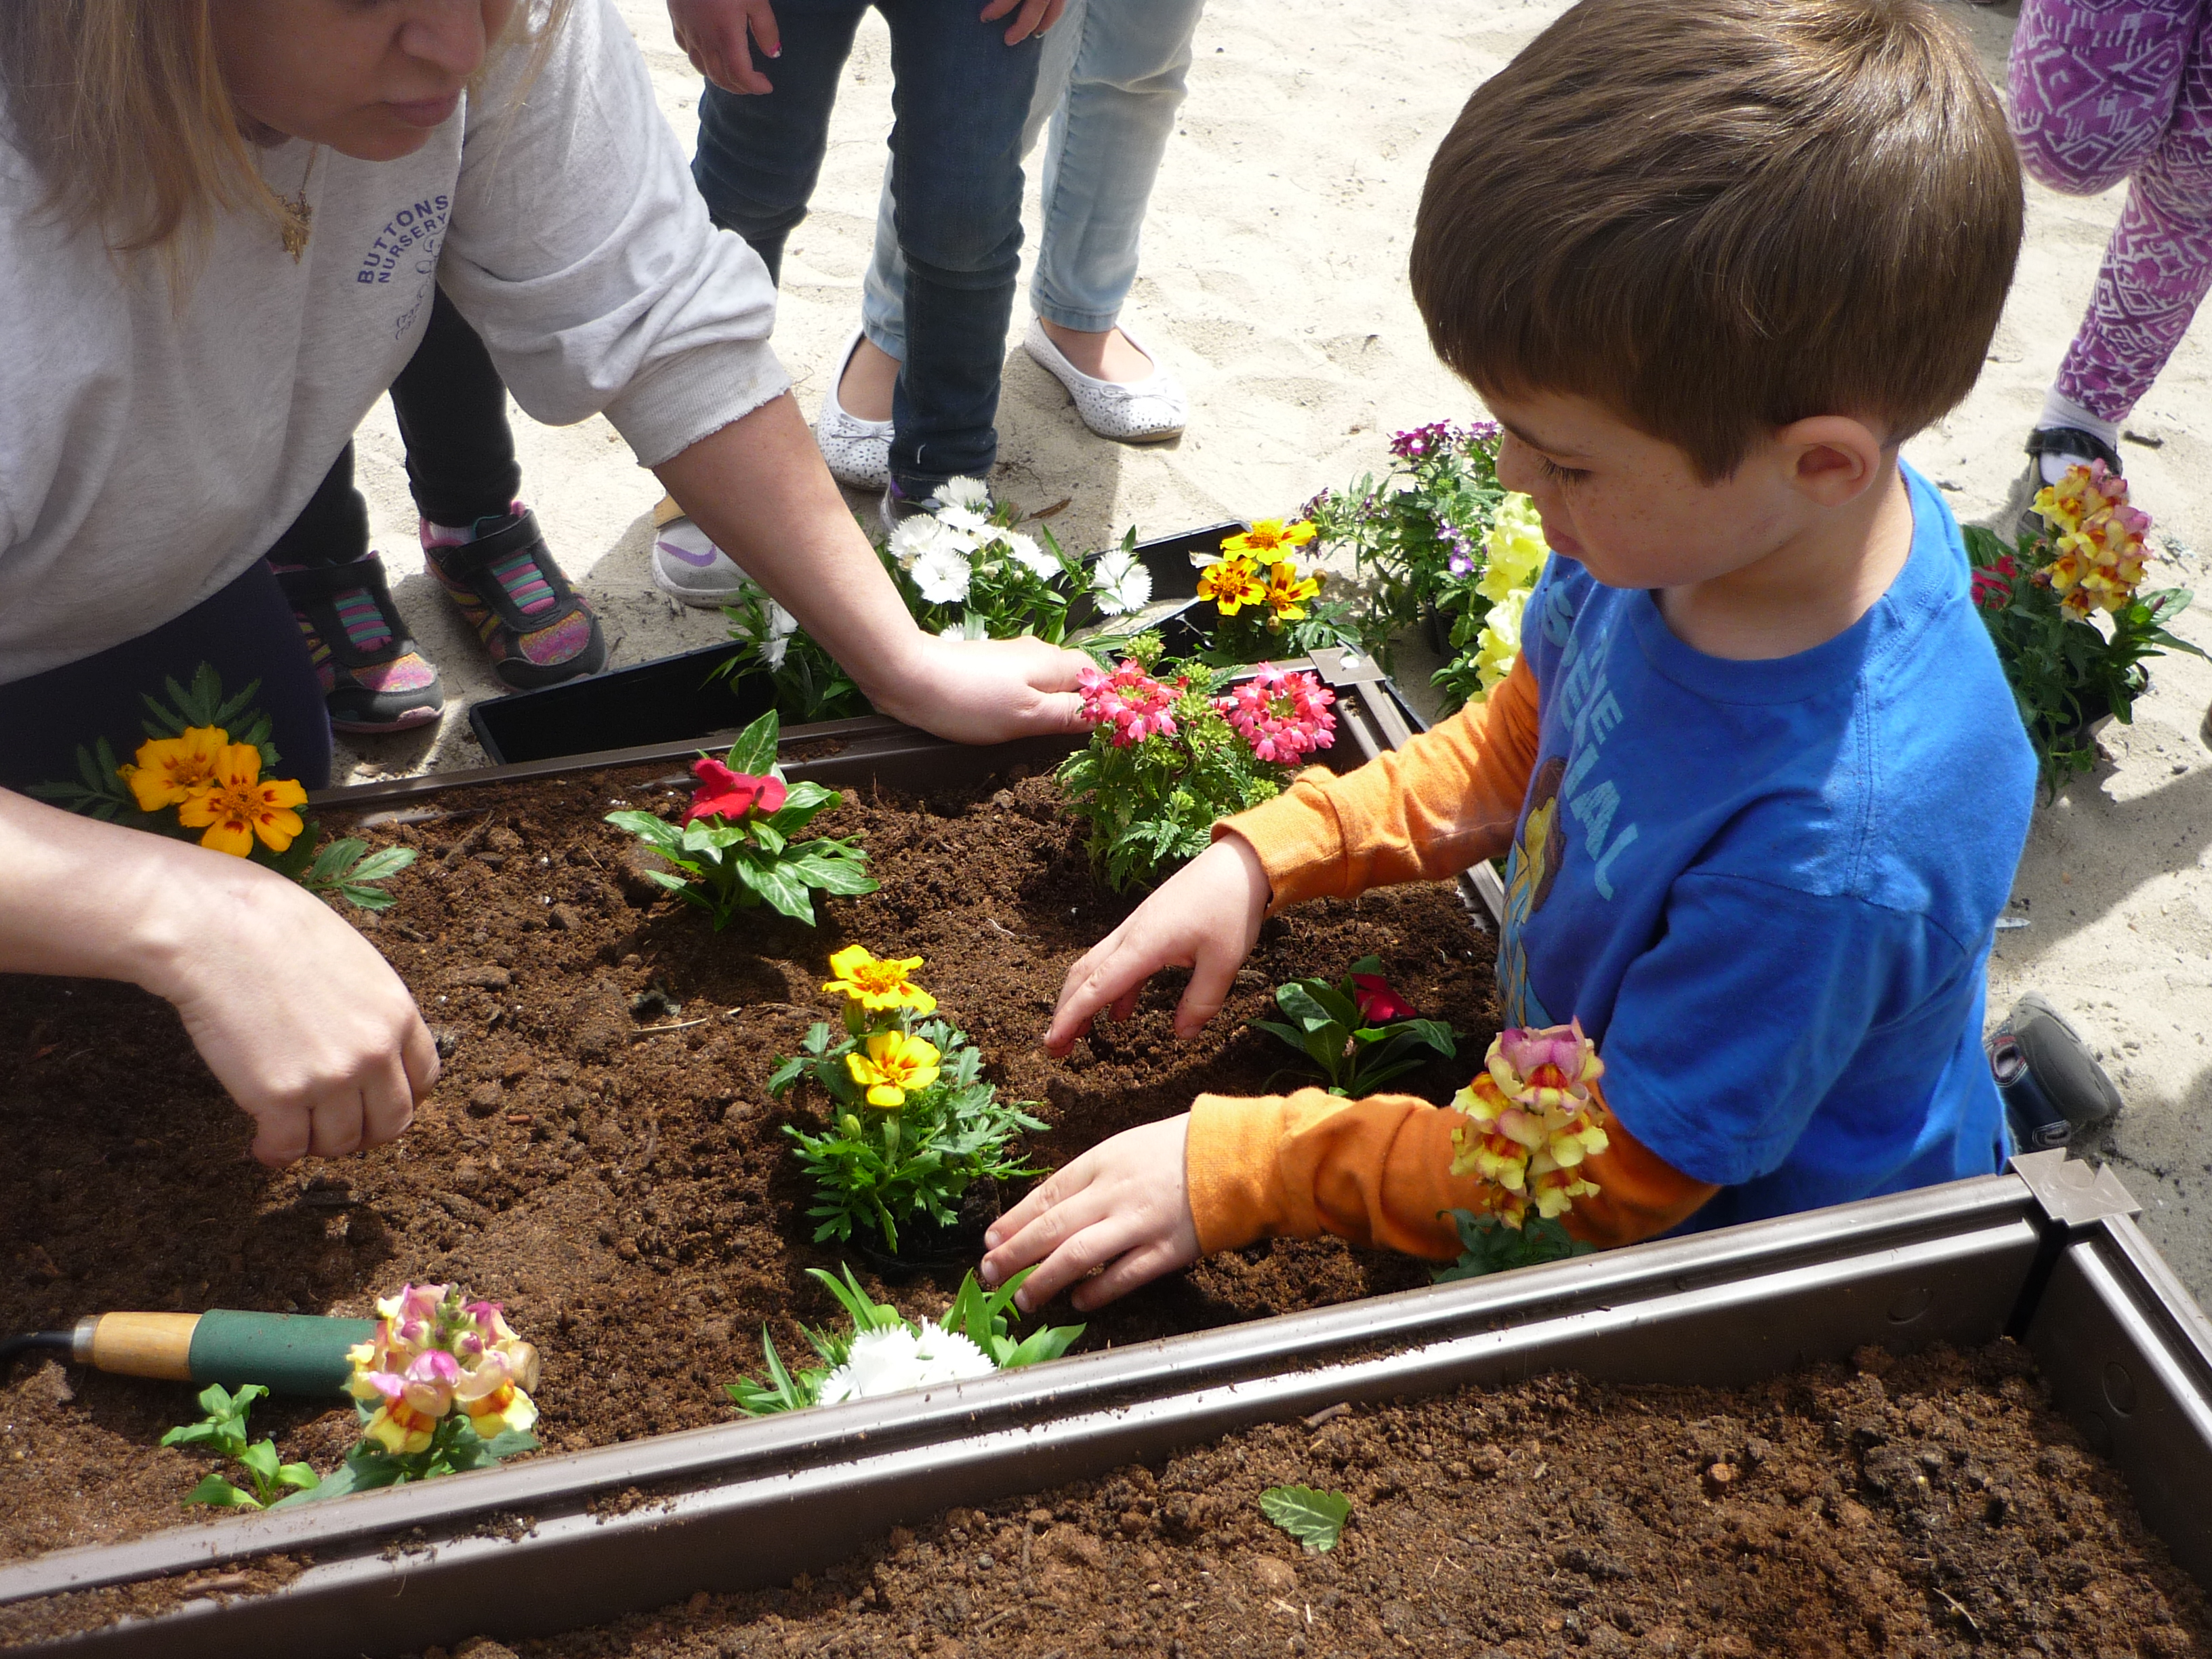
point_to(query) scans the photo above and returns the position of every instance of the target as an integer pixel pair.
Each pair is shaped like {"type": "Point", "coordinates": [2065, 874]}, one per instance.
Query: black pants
{"type": "Point", "coordinates": [451, 406]}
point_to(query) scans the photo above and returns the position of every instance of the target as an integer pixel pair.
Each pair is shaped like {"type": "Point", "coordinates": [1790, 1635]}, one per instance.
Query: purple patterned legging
{"type": "Point", "coordinates": [2104, 90]}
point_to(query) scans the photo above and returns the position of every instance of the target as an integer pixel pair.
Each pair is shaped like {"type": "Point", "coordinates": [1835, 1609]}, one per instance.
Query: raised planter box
{"type": "Point", "coordinates": [2048, 1253]}
{"type": "Point", "coordinates": [679, 699]}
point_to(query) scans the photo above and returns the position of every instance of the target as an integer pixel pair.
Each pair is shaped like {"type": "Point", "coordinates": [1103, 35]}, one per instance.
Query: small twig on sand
{"type": "Point", "coordinates": [680, 1026]}
{"type": "Point", "coordinates": [1057, 507]}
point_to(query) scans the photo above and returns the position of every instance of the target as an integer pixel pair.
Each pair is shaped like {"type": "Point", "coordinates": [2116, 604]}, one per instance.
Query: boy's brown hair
{"type": "Point", "coordinates": [1715, 217]}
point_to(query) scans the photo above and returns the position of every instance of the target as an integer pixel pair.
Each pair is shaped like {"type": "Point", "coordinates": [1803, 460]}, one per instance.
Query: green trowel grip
{"type": "Point", "coordinates": [289, 1353]}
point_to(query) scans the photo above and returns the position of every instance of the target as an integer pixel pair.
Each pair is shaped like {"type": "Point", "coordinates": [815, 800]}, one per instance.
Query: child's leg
{"type": "Point", "coordinates": [2093, 86]}
{"type": "Point", "coordinates": [483, 545]}
{"type": "Point", "coordinates": [245, 632]}
{"type": "Point", "coordinates": [373, 677]}
{"type": "Point", "coordinates": [962, 96]}
{"type": "Point", "coordinates": [2159, 263]}
{"type": "Point", "coordinates": [760, 153]}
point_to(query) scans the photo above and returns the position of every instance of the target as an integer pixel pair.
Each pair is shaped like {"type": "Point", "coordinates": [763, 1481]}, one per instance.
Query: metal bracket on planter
{"type": "Point", "coordinates": [2073, 1192]}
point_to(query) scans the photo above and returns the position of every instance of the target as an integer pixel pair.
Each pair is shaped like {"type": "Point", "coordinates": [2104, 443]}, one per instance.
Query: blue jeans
{"type": "Point", "coordinates": [959, 94]}
{"type": "Point", "coordinates": [1111, 82]}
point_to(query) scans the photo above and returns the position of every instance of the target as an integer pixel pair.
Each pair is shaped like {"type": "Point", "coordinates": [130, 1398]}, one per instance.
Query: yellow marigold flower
{"type": "Point", "coordinates": [1288, 591]}
{"type": "Point", "coordinates": [1232, 583]}
{"type": "Point", "coordinates": [894, 1066]}
{"type": "Point", "coordinates": [236, 805]}
{"type": "Point", "coordinates": [878, 983]}
{"type": "Point", "coordinates": [166, 770]}
{"type": "Point", "coordinates": [1269, 538]}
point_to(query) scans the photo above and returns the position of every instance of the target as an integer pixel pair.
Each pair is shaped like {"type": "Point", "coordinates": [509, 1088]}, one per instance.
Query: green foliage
{"type": "Point", "coordinates": [344, 869]}
{"type": "Point", "coordinates": [2065, 670]}
{"type": "Point", "coordinates": [1152, 804]}
{"type": "Point", "coordinates": [1314, 1518]}
{"type": "Point", "coordinates": [1406, 530]}
{"type": "Point", "coordinates": [809, 684]}
{"type": "Point", "coordinates": [1328, 1027]}
{"type": "Point", "coordinates": [1254, 635]}
{"type": "Point", "coordinates": [983, 1316]}
{"type": "Point", "coordinates": [455, 1448]}
{"type": "Point", "coordinates": [725, 867]}
{"type": "Point", "coordinates": [880, 1169]}
{"type": "Point", "coordinates": [1489, 1245]}
{"type": "Point", "coordinates": [222, 1430]}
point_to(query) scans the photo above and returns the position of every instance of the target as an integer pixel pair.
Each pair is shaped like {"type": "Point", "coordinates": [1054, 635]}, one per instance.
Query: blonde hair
{"type": "Point", "coordinates": [121, 106]}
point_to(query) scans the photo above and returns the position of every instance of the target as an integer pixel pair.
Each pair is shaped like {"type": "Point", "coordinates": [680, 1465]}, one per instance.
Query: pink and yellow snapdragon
{"type": "Point", "coordinates": [434, 1353]}
{"type": "Point", "coordinates": [2097, 539]}
{"type": "Point", "coordinates": [1534, 1114]}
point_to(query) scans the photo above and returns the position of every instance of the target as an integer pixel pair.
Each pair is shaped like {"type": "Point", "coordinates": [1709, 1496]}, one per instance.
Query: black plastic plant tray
{"type": "Point", "coordinates": [679, 698]}
{"type": "Point", "coordinates": [2047, 1251]}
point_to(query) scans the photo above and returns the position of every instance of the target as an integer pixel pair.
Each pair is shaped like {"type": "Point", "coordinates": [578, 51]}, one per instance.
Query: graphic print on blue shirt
{"type": "Point", "coordinates": [1768, 889]}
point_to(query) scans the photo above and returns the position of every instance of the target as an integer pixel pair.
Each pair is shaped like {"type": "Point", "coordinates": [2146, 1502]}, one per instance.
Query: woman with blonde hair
{"type": "Point", "coordinates": [221, 230]}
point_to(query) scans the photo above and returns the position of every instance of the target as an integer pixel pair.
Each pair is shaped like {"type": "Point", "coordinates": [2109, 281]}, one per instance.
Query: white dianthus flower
{"type": "Point", "coordinates": [916, 536]}
{"type": "Point", "coordinates": [1120, 582]}
{"type": "Point", "coordinates": [941, 574]}
{"type": "Point", "coordinates": [971, 493]}
{"type": "Point", "coordinates": [1024, 551]}
{"type": "Point", "coordinates": [895, 1357]}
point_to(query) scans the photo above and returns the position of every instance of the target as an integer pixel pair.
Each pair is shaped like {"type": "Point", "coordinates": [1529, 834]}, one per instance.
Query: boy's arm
{"type": "Point", "coordinates": [1442, 803]}
{"type": "Point", "coordinates": [1378, 1172]}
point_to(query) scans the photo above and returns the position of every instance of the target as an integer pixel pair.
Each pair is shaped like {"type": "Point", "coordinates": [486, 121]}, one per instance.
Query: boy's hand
{"type": "Point", "coordinates": [1123, 1205]}
{"type": "Point", "coordinates": [712, 35]}
{"type": "Point", "coordinates": [1033, 17]}
{"type": "Point", "coordinates": [1206, 918]}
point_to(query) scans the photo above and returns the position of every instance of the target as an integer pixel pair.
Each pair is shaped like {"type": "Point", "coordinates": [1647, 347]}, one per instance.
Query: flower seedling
{"type": "Point", "coordinates": [1534, 1114]}
{"type": "Point", "coordinates": [1314, 1518]}
{"type": "Point", "coordinates": [223, 1432]}
{"type": "Point", "coordinates": [199, 776]}
{"type": "Point", "coordinates": [886, 1352]}
{"type": "Point", "coordinates": [1168, 756]}
{"type": "Point", "coordinates": [965, 570]}
{"type": "Point", "coordinates": [1266, 602]}
{"type": "Point", "coordinates": [1358, 1032]}
{"type": "Point", "coordinates": [2039, 599]}
{"type": "Point", "coordinates": [443, 1385]}
{"type": "Point", "coordinates": [913, 1125]}
{"type": "Point", "coordinates": [810, 686]}
{"type": "Point", "coordinates": [733, 848]}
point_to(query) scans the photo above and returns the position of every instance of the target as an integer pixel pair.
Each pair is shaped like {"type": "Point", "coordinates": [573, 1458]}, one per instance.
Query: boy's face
{"type": "Point", "coordinates": [1631, 508]}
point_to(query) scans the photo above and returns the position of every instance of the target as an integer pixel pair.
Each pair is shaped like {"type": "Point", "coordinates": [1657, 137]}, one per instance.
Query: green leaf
{"type": "Point", "coordinates": [259, 1461]}
{"type": "Point", "coordinates": [383, 865]}
{"type": "Point", "coordinates": [1435, 1033]}
{"type": "Point", "coordinates": [754, 752]}
{"type": "Point", "coordinates": [649, 827]}
{"type": "Point", "coordinates": [780, 886]}
{"type": "Point", "coordinates": [300, 1476]}
{"type": "Point", "coordinates": [1314, 1518]}
{"type": "Point", "coordinates": [785, 1074]}
{"type": "Point", "coordinates": [217, 1492]}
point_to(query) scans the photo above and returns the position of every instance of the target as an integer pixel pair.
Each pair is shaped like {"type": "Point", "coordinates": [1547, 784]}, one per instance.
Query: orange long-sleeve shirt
{"type": "Point", "coordinates": [1377, 1172]}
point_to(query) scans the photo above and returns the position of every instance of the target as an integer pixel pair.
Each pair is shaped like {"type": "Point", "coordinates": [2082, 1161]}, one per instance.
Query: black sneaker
{"type": "Point", "coordinates": [2018, 510]}
{"type": "Point", "coordinates": [2052, 1085]}
{"type": "Point", "coordinates": [374, 677]}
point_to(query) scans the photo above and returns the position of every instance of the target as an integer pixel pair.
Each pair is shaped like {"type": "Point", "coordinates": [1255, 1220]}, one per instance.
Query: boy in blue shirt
{"type": "Point", "coordinates": [1761, 782]}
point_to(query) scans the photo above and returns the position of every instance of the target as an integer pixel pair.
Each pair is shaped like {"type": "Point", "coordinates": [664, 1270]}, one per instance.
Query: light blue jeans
{"type": "Point", "coordinates": [1109, 83]}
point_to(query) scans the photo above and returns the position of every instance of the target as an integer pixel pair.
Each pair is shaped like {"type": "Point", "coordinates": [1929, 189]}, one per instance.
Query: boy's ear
{"type": "Point", "coordinates": [1832, 459]}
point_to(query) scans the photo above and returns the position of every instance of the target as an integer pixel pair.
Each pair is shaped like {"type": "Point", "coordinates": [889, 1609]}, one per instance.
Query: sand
{"type": "Point", "coordinates": [1274, 284]}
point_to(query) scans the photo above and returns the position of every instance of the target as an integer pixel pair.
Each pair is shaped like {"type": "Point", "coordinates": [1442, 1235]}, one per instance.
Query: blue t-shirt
{"type": "Point", "coordinates": [1768, 890]}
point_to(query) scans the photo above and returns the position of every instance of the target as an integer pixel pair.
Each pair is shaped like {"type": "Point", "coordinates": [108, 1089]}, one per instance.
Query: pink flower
{"type": "Point", "coordinates": [1130, 701]}
{"type": "Point", "coordinates": [1993, 584]}
{"type": "Point", "coordinates": [1378, 1003]}
{"type": "Point", "coordinates": [1284, 716]}
{"type": "Point", "coordinates": [730, 795]}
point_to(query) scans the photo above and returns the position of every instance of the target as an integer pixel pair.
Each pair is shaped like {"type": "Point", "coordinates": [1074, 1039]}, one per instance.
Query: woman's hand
{"type": "Point", "coordinates": [1206, 917]}
{"type": "Point", "coordinates": [1123, 1207]}
{"type": "Point", "coordinates": [712, 35]}
{"type": "Point", "coordinates": [1030, 16]}
{"type": "Point", "coordinates": [988, 690]}
{"type": "Point", "coordinates": [296, 1013]}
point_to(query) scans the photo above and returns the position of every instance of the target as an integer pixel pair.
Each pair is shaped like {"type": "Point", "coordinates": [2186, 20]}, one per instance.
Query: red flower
{"type": "Point", "coordinates": [723, 794]}
{"type": "Point", "coordinates": [1993, 583]}
{"type": "Point", "coordinates": [1378, 1003]}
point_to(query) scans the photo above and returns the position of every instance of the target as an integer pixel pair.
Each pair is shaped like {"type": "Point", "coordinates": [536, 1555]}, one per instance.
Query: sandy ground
{"type": "Point", "coordinates": [1274, 284]}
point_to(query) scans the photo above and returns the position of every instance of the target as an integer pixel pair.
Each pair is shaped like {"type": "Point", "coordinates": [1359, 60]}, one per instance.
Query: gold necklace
{"type": "Point", "coordinates": [296, 216]}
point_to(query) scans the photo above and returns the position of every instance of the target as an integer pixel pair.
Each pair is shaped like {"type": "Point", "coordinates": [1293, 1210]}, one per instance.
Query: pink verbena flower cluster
{"type": "Point", "coordinates": [1129, 699]}
{"type": "Point", "coordinates": [1283, 716]}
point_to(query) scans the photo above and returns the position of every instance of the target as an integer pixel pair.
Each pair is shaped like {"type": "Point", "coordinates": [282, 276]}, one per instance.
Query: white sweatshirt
{"type": "Point", "coordinates": [149, 452]}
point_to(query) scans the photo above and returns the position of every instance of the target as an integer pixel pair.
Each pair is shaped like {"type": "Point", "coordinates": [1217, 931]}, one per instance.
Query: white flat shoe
{"type": "Point", "coordinates": [1130, 412]}
{"type": "Point", "coordinates": [858, 451]}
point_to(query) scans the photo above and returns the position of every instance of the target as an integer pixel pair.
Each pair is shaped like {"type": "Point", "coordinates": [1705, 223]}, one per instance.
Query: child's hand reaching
{"type": "Point", "coordinates": [712, 35]}
{"type": "Point", "coordinates": [1206, 918]}
{"type": "Point", "coordinates": [1124, 1205]}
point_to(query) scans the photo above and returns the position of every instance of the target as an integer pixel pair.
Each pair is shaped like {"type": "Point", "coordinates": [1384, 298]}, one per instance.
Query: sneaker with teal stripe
{"type": "Point", "coordinates": [500, 573]}
{"type": "Point", "coordinates": [373, 677]}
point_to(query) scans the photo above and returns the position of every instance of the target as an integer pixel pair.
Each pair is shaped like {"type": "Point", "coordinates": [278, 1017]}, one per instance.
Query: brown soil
{"type": "Point", "coordinates": [1933, 1506]}
{"type": "Point", "coordinates": [629, 1195]}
